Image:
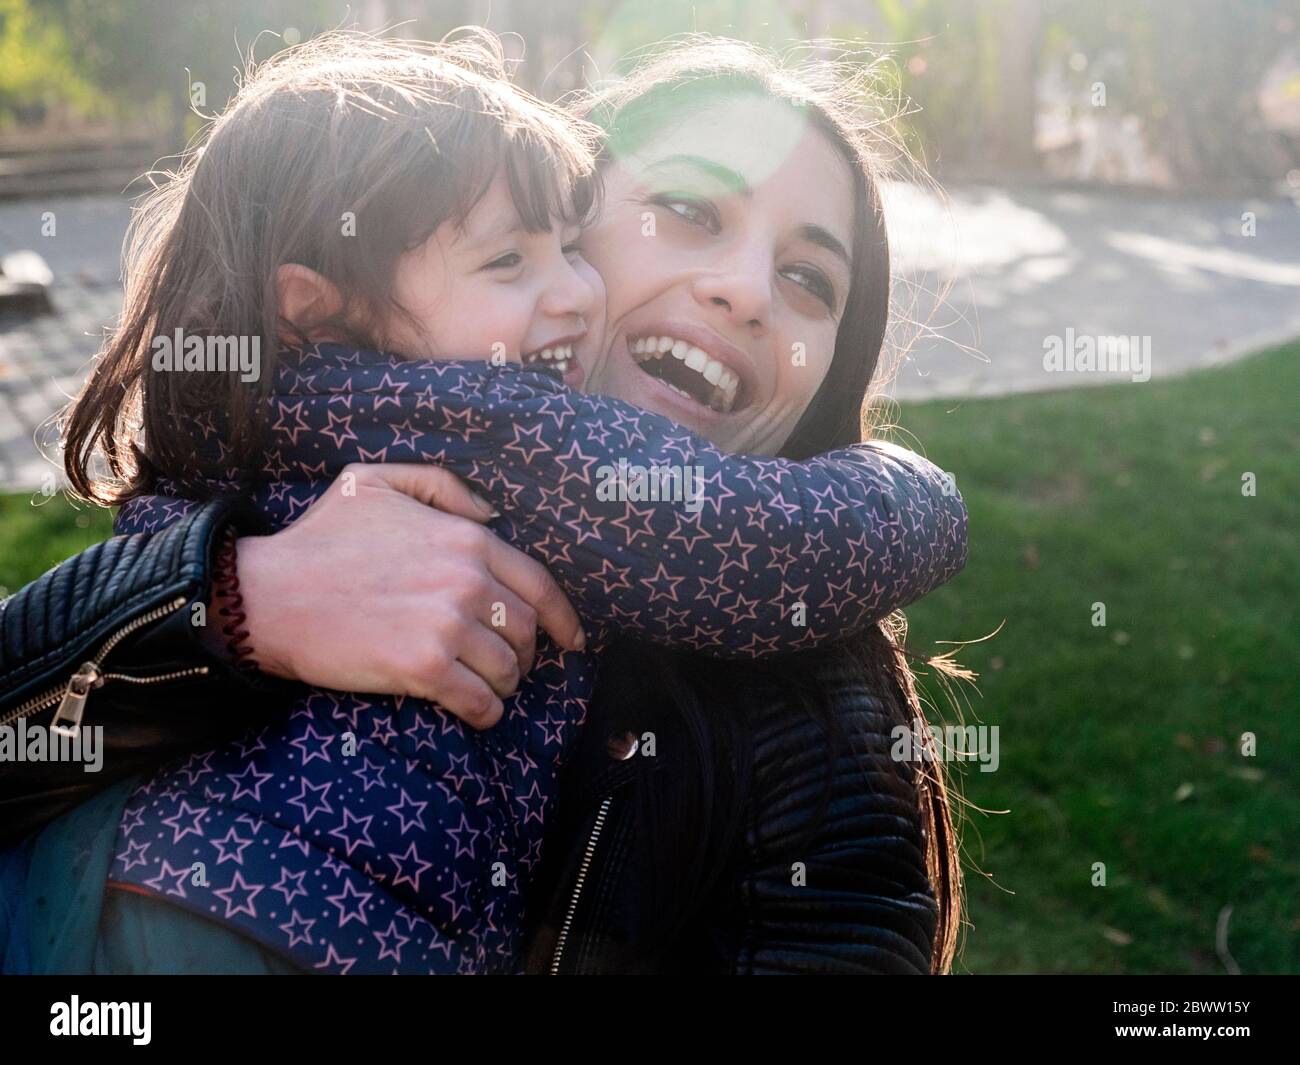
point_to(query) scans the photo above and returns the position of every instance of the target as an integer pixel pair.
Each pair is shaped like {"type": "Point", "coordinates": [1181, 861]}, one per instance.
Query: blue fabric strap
{"type": "Point", "coordinates": [52, 888]}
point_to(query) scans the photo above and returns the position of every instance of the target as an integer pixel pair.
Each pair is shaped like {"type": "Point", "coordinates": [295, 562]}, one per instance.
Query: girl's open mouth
{"type": "Point", "coordinates": [559, 360]}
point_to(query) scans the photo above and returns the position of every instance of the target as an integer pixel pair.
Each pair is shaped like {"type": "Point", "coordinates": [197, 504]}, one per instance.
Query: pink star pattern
{"type": "Point", "coordinates": [384, 859]}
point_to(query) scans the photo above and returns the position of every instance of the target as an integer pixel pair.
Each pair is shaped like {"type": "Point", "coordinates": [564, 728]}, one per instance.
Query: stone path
{"type": "Point", "coordinates": [1176, 275]}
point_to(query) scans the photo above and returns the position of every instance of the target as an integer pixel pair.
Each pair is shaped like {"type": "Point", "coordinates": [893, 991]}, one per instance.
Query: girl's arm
{"type": "Point", "coordinates": [419, 549]}
{"type": "Point", "coordinates": [746, 556]}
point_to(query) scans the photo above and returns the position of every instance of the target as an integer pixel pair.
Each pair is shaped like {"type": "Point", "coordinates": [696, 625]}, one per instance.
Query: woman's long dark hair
{"type": "Point", "coordinates": [691, 813]}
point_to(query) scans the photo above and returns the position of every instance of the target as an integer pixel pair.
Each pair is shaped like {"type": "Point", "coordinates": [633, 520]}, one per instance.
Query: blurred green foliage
{"type": "Point", "coordinates": [137, 61]}
{"type": "Point", "coordinates": [1187, 70]}
{"type": "Point", "coordinates": [37, 67]}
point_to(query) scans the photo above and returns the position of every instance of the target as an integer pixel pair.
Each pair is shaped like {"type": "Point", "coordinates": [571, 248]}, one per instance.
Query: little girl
{"type": "Point", "coordinates": [354, 200]}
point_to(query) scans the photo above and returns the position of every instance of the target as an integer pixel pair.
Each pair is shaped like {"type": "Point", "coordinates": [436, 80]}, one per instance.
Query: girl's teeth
{"type": "Point", "coordinates": [695, 359]}
{"type": "Point", "coordinates": [557, 356]}
{"type": "Point", "coordinates": [665, 345]}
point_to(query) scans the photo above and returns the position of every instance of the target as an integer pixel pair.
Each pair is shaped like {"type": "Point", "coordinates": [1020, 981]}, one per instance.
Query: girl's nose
{"type": "Point", "coordinates": [569, 293]}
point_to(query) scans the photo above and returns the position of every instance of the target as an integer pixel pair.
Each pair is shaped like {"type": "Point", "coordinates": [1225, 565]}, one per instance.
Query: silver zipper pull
{"type": "Point", "coordinates": [74, 700]}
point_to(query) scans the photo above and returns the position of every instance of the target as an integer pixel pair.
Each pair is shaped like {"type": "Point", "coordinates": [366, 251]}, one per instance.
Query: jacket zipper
{"type": "Point", "coordinates": [581, 879]}
{"type": "Point", "coordinates": [90, 675]}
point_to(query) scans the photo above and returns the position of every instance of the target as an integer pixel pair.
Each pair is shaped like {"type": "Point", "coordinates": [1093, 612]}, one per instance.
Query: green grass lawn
{"type": "Point", "coordinates": [1118, 744]}
{"type": "Point", "coordinates": [1122, 744]}
{"type": "Point", "coordinates": [37, 533]}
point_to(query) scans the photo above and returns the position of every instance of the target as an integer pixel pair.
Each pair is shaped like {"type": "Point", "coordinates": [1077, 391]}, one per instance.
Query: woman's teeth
{"type": "Point", "coordinates": [713, 384]}
{"type": "Point", "coordinates": [557, 358]}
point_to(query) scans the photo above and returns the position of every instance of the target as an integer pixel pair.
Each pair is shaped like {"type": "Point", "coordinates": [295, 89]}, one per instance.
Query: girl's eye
{"type": "Point", "coordinates": [815, 282]}
{"type": "Point", "coordinates": [572, 249]}
{"type": "Point", "coordinates": [505, 262]}
{"type": "Point", "coordinates": [694, 212]}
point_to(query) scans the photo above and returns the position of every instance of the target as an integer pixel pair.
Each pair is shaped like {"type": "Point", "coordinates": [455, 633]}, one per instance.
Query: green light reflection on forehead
{"type": "Point", "coordinates": [712, 137]}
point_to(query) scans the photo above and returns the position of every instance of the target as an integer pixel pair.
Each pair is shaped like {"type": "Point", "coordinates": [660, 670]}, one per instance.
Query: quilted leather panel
{"type": "Point", "coordinates": [61, 617]}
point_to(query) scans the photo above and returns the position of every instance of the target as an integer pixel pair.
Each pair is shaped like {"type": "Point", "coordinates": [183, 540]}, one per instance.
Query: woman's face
{"type": "Point", "coordinates": [724, 246]}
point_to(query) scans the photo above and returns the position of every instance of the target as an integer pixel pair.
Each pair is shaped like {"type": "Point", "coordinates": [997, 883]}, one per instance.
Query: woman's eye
{"type": "Point", "coordinates": [815, 282]}
{"type": "Point", "coordinates": [505, 262]}
{"type": "Point", "coordinates": [695, 212]}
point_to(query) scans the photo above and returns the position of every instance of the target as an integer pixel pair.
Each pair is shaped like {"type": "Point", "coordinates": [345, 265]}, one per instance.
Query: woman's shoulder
{"type": "Point", "coordinates": [822, 692]}
{"type": "Point", "coordinates": [834, 835]}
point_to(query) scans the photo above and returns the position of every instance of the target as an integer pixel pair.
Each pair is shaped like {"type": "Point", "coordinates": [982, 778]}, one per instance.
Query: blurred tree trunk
{"type": "Point", "coordinates": [1020, 40]}
{"type": "Point", "coordinates": [1206, 117]}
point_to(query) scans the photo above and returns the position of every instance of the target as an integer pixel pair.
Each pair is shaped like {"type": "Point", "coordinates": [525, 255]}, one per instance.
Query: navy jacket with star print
{"type": "Point", "coordinates": [372, 834]}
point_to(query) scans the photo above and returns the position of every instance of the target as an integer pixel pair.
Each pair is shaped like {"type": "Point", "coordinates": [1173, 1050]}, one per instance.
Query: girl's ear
{"type": "Point", "coordinates": [305, 298]}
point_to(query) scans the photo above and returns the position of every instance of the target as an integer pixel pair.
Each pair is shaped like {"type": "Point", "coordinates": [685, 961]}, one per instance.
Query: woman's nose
{"type": "Point", "coordinates": [742, 288]}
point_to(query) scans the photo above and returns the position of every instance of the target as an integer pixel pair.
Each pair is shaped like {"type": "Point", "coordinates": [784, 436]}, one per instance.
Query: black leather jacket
{"type": "Point", "coordinates": [125, 605]}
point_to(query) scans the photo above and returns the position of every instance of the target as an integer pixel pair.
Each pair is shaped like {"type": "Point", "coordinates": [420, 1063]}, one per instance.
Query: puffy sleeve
{"type": "Point", "coordinates": [655, 531]}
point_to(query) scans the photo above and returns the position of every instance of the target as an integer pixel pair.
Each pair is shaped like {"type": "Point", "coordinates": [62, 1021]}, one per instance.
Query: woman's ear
{"type": "Point", "coordinates": [305, 298]}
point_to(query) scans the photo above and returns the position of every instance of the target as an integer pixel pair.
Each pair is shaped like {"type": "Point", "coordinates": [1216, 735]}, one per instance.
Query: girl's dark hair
{"type": "Point", "coordinates": [692, 810]}
{"type": "Point", "coordinates": [339, 154]}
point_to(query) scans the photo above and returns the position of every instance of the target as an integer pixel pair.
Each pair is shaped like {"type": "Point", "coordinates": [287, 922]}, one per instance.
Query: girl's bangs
{"type": "Point", "coordinates": [551, 177]}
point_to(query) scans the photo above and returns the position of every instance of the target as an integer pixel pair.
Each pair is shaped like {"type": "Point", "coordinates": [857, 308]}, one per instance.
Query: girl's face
{"type": "Point", "coordinates": [488, 289]}
{"type": "Point", "coordinates": [725, 251]}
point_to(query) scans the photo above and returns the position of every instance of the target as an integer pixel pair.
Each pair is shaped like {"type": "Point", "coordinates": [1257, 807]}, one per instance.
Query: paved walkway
{"type": "Point", "coordinates": [43, 359]}
{"type": "Point", "coordinates": [1016, 267]}
{"type": "Point", "coordinates": [1177, 275]}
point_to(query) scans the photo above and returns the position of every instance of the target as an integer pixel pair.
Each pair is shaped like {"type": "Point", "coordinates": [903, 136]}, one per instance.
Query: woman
{"type": "Point", "coordinates": [711, 845]}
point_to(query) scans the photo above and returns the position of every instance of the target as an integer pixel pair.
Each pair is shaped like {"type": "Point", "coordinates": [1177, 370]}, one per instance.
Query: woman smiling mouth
{"type": "Point", "coordinates": [687, 370]}
{"type": "Point", "coordinates": [696, 367]}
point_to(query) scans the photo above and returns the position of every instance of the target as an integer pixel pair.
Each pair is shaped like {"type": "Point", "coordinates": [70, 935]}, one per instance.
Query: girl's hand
{"type": "Point", "coordinates": [389, 583]}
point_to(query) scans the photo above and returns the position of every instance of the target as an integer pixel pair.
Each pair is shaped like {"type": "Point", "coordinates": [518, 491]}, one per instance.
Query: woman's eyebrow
{"type": "Point", "coordinates": [735, 183]}
{"type": "Point", "coordinates": [824, 238]}
{"type": "Point", "coordinates": [724, 175]}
